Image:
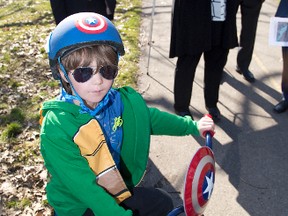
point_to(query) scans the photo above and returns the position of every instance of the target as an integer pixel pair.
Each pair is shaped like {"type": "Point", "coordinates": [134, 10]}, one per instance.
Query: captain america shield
{"type": "Point", "coordinates": [199, 182]}
{"type": "Point", "coordinates": [92, 24]}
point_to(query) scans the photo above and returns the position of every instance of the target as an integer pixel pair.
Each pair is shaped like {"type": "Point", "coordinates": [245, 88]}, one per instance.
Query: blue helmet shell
{"type": "Point", "coordinates": [80, 30]}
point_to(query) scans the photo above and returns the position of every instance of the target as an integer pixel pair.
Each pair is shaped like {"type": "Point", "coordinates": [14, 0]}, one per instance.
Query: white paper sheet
{"type": "Point", "coordinates": [278, 33]}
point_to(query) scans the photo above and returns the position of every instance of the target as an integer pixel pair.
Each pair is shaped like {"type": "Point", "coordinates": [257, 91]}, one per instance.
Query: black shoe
{"type": "Point", "coordinates": [282, 106]}
{"type": "Point", "coordinates": [215, 113]}
{"type": "Point", "coordinates": [184, 113]}
{"type": "Point", "coordinates": [248, 75]}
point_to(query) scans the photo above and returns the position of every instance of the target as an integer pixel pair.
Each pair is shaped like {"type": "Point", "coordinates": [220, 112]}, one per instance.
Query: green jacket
{"type": "Point", "coordinates": [72, 187]}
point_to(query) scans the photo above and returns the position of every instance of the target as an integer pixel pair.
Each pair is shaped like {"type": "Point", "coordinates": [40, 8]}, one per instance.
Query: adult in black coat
{"type": "Point", "coordinates": [63, 8]}
{"type": "Point", "coordinates": [195, 33]}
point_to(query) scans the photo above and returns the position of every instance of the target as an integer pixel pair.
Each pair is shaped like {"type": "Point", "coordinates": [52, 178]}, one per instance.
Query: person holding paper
{"type": "Point", "coordinates": [282, 106]}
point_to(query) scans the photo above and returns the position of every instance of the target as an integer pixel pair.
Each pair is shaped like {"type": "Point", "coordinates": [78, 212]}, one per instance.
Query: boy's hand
{"type": "Point", "coordinates": [206, 124]}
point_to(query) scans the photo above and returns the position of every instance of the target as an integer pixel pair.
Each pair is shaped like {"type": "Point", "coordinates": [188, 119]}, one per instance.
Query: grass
{"type": "Point", "coordinates": [128, 23]}
{"type": "Point", "coordinates": [24, 27]}
{"type": "Point", "coordinates": [19, 204]}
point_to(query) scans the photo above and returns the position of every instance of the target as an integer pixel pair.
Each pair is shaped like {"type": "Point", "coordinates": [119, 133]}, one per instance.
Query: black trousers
{"type": "Point", "coordinates": [250, 10]}
{"type": "Point", "coordinates": [284, 82]}
{"type": "Point", "coordinates": [215, 60]}
{"type": "Point", "coordinates": [146, 202]}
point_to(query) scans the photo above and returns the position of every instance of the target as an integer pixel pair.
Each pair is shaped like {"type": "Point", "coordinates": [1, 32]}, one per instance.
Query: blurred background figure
{"type": "Point", "coordinates": [250, 10]}
{"type": "Point", "coordinates": [282, 106]}
{"type": "Point", "coordinates": [63, 8]}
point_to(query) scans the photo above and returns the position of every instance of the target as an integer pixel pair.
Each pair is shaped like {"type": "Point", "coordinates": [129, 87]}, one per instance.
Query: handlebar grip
{"type": "Point", "coordinates": [211, 132]}
{"type": "Point", "coordinates": [208, 135]}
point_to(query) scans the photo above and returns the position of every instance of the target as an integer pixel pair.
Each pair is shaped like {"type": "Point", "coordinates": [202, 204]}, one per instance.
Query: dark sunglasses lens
{"type": "Point", "coordinates": [82, 74]}
{"type": "Point", "coordinates": [108, 72]}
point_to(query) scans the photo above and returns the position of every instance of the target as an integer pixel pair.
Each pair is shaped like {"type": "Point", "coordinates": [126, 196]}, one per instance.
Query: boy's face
{"type": "Point", "coordinates": [93, 90]}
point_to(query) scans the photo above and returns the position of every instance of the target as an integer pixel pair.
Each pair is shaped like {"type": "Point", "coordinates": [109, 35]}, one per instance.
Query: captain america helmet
{"type": "Point", "coordinates": [81, 30]}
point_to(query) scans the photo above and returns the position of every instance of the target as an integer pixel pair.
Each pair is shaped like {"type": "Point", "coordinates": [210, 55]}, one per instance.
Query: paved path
{"type": "Point", "coordinates": [250, 143]}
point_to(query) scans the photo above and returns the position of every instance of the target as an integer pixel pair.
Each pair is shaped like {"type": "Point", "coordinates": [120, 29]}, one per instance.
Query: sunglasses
{"type": "Point", "coordinates": [83, 74]}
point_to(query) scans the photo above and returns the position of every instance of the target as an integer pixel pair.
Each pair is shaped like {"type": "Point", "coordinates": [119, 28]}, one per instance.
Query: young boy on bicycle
{"type": "Point", "coordinates": [95, 138]}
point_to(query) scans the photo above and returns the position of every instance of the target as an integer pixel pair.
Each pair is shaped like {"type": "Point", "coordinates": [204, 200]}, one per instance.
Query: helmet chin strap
{"type": "Point", "coordinates": [76, 97]}
{"type": "Point", "coordinates": [84, 108]}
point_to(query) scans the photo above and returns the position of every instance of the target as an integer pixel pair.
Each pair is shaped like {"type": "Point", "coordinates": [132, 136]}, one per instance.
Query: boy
{"type": "Point", "coordinates": [94, 138]}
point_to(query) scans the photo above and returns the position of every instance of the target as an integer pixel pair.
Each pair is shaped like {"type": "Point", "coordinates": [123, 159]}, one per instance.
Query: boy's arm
{"type": "Point", "coordinates": [163, 123]}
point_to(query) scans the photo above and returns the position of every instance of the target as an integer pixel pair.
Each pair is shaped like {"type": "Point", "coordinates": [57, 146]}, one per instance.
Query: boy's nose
{"type": "Point", "coordinates": [97, 79]}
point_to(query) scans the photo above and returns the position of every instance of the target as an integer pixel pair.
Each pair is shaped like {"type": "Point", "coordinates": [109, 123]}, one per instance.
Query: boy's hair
{"type": "Point", "coordinates": [83, 57]}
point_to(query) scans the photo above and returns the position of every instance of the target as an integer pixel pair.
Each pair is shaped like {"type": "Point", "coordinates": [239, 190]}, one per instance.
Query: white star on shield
{"type": "Point", "coordinates": [91, 21]}
{"type": "Point", "coordinates": [210, 185]}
